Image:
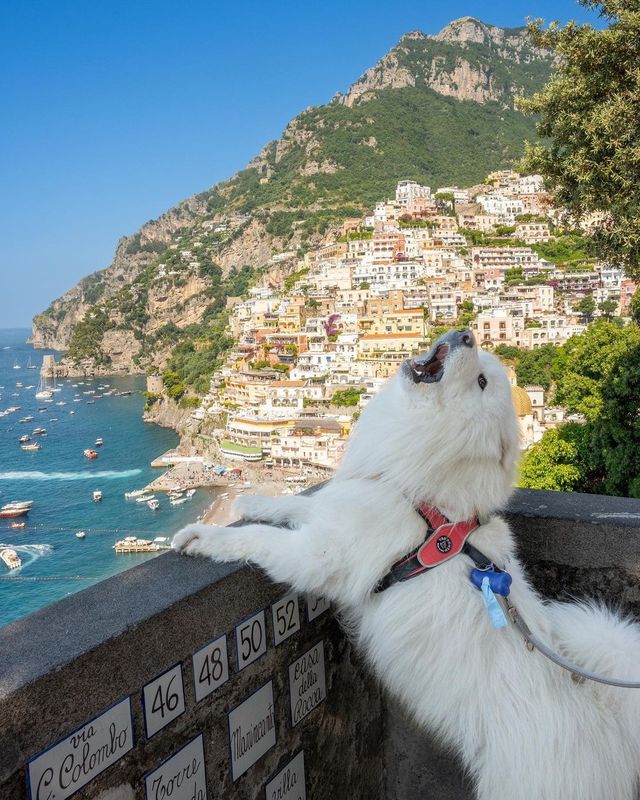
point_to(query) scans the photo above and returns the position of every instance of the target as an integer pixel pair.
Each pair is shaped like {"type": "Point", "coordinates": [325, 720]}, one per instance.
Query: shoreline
{"type": "Point", "coordinates": [221, 513]}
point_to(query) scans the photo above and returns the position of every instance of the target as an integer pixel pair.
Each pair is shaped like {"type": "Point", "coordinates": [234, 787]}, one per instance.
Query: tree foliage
{"type": "Point", "coordinates": [588, 114]}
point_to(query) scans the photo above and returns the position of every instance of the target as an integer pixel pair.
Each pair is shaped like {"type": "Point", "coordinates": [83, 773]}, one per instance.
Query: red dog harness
{"type": "Point", "coordinates": [444, 540]}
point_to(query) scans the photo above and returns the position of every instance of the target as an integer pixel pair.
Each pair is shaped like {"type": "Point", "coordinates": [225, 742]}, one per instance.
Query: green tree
{"type": "Point", "coordinates": [553, 463]}
{"type": "Point", "coordinates": [634, 307]}
{"type": "Point", "coordinates": [588, 121]}
{"type": "Point", "coordinates": [586, 307]}
{"type": "Point", "coordinates": [616, 431]}
{"type": "Point", "coordinates": [583, 366]}
{"type": "Point", "coordinates": [608, 308]}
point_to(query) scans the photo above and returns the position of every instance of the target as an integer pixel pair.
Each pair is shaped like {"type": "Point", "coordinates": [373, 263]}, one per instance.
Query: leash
{"type": "Point", "coordinates": [445, 539]}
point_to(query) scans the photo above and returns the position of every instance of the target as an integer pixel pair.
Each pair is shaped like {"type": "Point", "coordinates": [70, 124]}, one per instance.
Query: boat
{"type": "Point", "coordinates": [18, 504]}
{"type": "Point", "coordinates": [43, 392]}
{"type": "Point", "coordinates": [135, 493]}
{"type": "Point", "coordinates": [90, 454]}
{"type": "Point", "coordinates": [16, 365]}
{"type": "Point", "coordinates": [38, 431]}
{"type": "Point", "coordinates": [80, 535]}
{"type": "Point", "coordinates": [61, 403]}
{"type": "Point", "coordinates": [99, 442]}
{"type": "Point", "coordinates": [123, 394]}
{"type": "Point", "coordinates": [91, 402]}
{"type": "Point", "coordinates": [163, 542]}
{"type": "Point", "coordinates": [97, 496]}
{"type": "Point", "coordinates": [19, 385]}
{"type": "Point", "coordinates": [10, 558]}
{"type": "Point", "coordinates": [190, 492]}
{"type": "Point", "coordinates": [12, 513]}
{"type": "Point", "coordinates": [17, 525]}
{"type": "Point", "coordinates": [30, 365]}
{"type": "Point", "coordinates": [144, 498]}
{"type": "Point", "coordinates": [25, 438]}
{"type": "Point", "coordinates": [33, 447]}
{"type": "Point", "coordinates": [178, 501]}
{"type": "Point", "coordinates": [26, 419]}
{"type": "Point", "coordinates": [131, 544]}
{"type": "Point", "coordinates": [153, 504]}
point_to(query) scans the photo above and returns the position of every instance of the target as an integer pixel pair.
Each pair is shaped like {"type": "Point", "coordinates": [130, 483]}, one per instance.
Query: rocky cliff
{"type": "Point", "coordinates": [437, 109]}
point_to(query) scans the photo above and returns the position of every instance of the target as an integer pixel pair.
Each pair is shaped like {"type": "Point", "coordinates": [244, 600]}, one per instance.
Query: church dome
{"type": "Point", "coordinates": [521, 401]}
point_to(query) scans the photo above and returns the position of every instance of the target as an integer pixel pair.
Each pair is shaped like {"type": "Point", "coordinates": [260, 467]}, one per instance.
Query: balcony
{"type": "Point", "coordinates": [172, 618]}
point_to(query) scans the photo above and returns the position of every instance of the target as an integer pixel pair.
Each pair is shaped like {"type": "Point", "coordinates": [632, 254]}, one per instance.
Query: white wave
{"type": "Point", "coordinates": [67, 476]}
{"type": "Point", "coordinates": [33, 549]}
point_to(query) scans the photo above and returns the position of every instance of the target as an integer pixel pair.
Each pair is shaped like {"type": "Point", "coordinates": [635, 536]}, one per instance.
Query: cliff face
{"type": "Point", "coordinates": [436, 109]}
{"type": "Point", "coordinates": [467, 60]}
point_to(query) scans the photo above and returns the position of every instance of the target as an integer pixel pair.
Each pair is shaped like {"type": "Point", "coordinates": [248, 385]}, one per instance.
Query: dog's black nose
{"type": "Point", "coordinates": [466, 337]}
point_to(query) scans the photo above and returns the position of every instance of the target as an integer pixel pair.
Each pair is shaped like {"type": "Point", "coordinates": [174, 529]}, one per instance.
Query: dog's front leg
{"type": "Point", "coordinates": [283, 553]}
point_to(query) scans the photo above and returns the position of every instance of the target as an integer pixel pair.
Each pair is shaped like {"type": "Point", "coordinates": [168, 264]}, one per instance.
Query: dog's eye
{"type": "Point", "coordinates": [482, 381]}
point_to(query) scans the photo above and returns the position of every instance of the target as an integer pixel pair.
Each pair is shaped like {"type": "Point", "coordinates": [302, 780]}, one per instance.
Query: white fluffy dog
{"type": "Point", "coordinates": [443, 432]}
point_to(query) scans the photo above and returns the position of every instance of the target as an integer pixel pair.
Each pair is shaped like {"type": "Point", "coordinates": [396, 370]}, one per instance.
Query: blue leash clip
{"type": "Point", "coordinates": [500, 582]}
{"type": "Point", "coordinates": [490, 584]}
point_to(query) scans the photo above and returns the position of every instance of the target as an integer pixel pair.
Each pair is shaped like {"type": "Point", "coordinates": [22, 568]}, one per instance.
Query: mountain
{"type": "Point", "coordinates": [437, 109]}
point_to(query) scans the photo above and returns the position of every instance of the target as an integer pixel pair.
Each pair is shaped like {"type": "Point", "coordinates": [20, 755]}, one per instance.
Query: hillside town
{"type": "Point", "coordinates": [310, 355]}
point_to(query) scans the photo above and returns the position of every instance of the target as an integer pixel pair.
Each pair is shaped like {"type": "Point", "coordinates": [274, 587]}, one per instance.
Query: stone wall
{"type": "Point", "coordinates": [96, 650]}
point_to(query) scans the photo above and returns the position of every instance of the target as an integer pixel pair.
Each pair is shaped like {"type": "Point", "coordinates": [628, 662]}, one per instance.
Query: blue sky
{"type": "Point", "coordinates": [113, 112]}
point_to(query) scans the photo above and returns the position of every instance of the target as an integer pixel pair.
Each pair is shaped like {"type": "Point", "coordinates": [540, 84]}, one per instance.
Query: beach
{"type": "Point", "coordinates": [221, 510]}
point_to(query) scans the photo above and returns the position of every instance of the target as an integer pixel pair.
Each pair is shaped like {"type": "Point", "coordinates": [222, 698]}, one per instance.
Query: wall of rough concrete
{"type": "Point", "coordinates": [341, 738]}
{"type": "Point", "coordinates": [64, 664]}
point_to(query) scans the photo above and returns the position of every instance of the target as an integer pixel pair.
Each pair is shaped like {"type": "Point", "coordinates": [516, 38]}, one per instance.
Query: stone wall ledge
{"type": "Point", "coordinates": [64, 664]}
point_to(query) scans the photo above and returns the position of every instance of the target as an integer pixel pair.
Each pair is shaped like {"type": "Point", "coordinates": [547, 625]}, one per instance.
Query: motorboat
{"type": "Point", "coordinates": [26, 419]}
{"type": "Point", "coordinates": [80, 535]}
{"type": "Point", "coordinates": [97, 496]}
{"type": "Point", "coordinates": [130, 544]}
{"type": "Point", "coordinates": [32, 447]}
{"type": "Point", "coordinates": [10, 558]}
{"type": "Point", "coordinates": [153, 504]}
{"type": "Point", "coordinates": [99, 441]}
{"type": "Point", "coordinates": [178, 501]}
{"type": "Point", "coordinates": [190, 492]}
{"type": "Point", "coordinates": [18, 504]}
{"type": "Point", "coordinates": [144, 498]}
{"type": "Point", "coordinates": [12, 513]}
{"type": "Point", "coordinates": [90, 454]}
{"type": "Point", "coordinates": [17, 525]}
{"type": "Point", "coordinates": [38, 431]}
{"type": "Point", "coordinates": [135, 493]}
{"type": "Point", "coordinates": [25, 438]}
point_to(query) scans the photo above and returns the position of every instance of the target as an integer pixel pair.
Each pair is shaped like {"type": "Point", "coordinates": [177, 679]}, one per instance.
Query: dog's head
{"type": "Point", "coordinates": [444, 428]}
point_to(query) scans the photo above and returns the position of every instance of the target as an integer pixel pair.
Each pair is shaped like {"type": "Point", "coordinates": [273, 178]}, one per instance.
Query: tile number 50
{"type": "Point", "coordinates": [251, 639]}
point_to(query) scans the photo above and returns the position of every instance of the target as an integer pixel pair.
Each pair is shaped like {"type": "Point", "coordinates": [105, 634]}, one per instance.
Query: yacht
{"type": "Point", "coordinates": [12, 513]}
{"type": "Point", "coordinates": [10, 558]}
{"type": "Point", "coordinates": [43, 393]}
{"type": "Point", "coordinates": [135, 493]}
{"type": "Point", "coordinates": [144, 498]}
{"type": "Point", "coordinates": [131, 544]}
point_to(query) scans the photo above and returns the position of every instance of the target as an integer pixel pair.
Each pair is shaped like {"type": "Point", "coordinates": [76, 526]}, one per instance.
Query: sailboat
{"type": "Point", "coordinates": [30, 365]}
{"type": "Point", "coordinates": [43, 392]}
{"type": "Point", "coordinates": [16, 365]}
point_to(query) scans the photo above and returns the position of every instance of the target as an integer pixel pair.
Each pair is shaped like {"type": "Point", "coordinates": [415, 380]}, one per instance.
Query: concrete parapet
{"type": "Point", "coordinates": [65, 665]}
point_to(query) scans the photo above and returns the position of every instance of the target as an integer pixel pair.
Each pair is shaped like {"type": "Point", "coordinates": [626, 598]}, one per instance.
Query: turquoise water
{"type": "Point", "coordinates": [61, 481]}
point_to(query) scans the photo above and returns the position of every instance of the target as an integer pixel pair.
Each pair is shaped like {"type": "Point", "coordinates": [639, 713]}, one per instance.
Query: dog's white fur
{"type": "Point", "coordinates": [523, 728]}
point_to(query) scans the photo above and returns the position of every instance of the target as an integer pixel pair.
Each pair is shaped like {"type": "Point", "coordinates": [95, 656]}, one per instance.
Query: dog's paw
{"type": "Point", "coordinates": [250, 507]}
{"type": "Point", "coordinates": [193, 540]}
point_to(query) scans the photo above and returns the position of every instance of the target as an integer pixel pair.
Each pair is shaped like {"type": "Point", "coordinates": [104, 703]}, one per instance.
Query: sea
{"type": "Point", "coordinates": [61, 481]}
